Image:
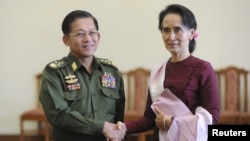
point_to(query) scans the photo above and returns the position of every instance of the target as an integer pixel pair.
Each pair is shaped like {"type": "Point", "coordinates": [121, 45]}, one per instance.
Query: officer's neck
{"type": "Point", "coordinates": [87, 63]}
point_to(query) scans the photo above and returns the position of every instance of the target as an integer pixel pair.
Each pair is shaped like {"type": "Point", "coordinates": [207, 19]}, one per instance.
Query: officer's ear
{"type": "Point", "coordinates": [65, 39]}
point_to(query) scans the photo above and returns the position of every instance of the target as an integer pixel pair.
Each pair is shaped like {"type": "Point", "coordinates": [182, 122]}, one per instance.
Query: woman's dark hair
{"type": "Point", "coordinates": [72, 16]}
{"type": "Point", "coordinates": [188, 19]}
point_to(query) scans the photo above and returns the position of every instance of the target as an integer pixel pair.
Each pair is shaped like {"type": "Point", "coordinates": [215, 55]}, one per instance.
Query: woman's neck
{"type": "Point", "coordinates": [178, 58]}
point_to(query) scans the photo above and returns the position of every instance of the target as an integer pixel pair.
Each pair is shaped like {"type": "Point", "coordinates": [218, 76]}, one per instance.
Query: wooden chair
{"type": "Point", "coordinates": [136, 89]}
{"type": "Point", "coordinates": [245, 114]}
{"type": "Point", "coordinates": [36, 115]}
{"type": "Point", "coordinates": [232, 82]}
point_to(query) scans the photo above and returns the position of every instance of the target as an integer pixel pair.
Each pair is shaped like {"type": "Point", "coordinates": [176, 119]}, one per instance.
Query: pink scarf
{"type": "Point", "coordinates": [185, 126]}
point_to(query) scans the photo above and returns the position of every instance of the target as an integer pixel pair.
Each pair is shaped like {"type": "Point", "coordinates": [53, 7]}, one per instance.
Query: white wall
{"type": "Point", "coordinates": [30, 37]}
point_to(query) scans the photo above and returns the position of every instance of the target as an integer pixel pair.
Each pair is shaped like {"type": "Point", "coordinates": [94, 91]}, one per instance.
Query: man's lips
{"type": "Point", "coordinates": [88, 46]}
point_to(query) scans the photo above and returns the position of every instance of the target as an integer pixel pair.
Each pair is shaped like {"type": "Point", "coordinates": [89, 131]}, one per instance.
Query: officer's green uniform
{"type": "Point", "coordinates": [77, 103]}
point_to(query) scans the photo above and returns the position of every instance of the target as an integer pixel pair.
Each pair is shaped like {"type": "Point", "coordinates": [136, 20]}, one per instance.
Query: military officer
{"type": "Point", "coordinates": [82, 95]}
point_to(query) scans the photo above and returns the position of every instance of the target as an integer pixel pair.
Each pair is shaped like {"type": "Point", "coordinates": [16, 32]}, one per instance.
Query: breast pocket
{"type": "Point", "coordinates": [75, 99]}
{"type": "Point", "coordinates": [110, 98]}
{"type": "Point", "coordinates": [110, 93]}
{"type": "Point", "coordinates": [71, 96]}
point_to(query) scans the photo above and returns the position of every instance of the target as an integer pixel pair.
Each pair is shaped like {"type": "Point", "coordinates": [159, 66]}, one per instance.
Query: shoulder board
{"type": "Point", "coordinates": [57, 64]}
{"type": "Point", "coordinates": [106, 61]}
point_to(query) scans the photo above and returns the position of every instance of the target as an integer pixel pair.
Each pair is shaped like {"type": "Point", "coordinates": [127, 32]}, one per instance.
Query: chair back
{"type": "Point", "coordinates": [136, 89]}
{"type": "Point", "coordinates": [233, 86]}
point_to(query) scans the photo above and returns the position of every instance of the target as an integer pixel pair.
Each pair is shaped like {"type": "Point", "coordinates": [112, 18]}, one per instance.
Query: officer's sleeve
{"type": "Point", "coordinates": [120, 105]}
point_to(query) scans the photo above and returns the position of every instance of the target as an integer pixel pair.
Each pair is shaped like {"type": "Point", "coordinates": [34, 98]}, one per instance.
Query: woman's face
{"type": "Point", "coordinates": [83, 39]}
{"type": "Point", "coordinates": [176, 36]}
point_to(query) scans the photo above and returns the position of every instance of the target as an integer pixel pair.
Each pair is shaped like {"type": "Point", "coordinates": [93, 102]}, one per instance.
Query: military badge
{"type": "Point", "coordinates": [108, 81]}
{"type": "Point", "coordinates": [72, 82]}
{"type": "Point", "coordinates": [75, 86]}
{"type": "Point", "coordinates": [74, 66]}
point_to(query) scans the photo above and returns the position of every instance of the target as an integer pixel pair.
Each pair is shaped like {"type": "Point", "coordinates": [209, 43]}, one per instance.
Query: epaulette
{"type": "Point", "coordinates": [57, 64]}
{"type": "Point", "coordinates": [106, 61]}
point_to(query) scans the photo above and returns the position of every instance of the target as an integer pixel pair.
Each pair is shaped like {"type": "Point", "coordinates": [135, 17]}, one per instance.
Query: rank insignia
{"type": "Point", "coordinates": [108, 62]}
{"type": "Point", "coordinates": [72, 82]}
{"type": "Point", "coordinates": [108, 81]}
{"type": "Point", "coordinates": [56, 64]}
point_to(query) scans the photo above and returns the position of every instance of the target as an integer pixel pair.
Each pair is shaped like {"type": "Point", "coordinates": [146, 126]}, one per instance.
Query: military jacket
{"type": "Point", "coordinates": [77, 103]}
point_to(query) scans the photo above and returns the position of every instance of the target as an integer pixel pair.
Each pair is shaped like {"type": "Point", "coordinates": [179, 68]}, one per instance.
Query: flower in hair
{"type": "Point", "coordinates": [195, 34]}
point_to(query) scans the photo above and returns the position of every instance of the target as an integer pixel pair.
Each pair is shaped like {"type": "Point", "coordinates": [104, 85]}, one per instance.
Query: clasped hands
{"type": "Point", "coordinates": [114, 132]}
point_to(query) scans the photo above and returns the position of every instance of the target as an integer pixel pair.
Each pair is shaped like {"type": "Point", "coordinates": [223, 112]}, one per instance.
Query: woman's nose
{"type": "Point", "coordinates": [172, 36]}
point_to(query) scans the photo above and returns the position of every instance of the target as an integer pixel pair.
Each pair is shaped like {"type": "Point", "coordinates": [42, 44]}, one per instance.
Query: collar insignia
{"type": "Point", "coordinates": [74, 66]}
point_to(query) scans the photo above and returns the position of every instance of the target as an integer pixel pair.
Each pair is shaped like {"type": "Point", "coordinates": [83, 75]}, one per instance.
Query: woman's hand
{"type": "Point", "coordinates": [162, 120]}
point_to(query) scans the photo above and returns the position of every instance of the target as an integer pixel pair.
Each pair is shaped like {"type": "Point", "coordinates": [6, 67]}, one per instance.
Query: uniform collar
{"type": "Point", "coordinates": [75, 63]}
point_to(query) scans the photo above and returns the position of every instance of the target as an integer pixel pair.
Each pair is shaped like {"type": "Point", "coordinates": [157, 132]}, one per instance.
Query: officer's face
{"type": "Point", "coordinates": [83, 39]}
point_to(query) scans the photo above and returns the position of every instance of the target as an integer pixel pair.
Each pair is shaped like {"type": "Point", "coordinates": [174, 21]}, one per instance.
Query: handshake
{"type": "Point", "coordinates": [114, 132]}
